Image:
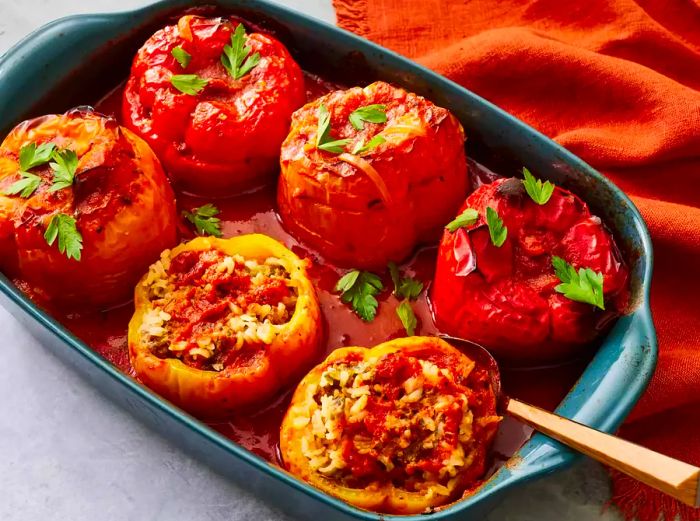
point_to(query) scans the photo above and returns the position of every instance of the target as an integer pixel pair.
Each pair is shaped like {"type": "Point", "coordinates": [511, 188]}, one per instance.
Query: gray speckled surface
{"type": "Point", "coordinates": [67, 453]}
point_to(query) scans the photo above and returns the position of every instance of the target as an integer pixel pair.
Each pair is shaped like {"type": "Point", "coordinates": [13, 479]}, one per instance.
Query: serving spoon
{"type": "Point", "coordinates": [671, 476]}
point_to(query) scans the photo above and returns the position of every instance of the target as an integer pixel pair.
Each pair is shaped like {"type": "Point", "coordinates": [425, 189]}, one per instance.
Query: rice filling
{"type": "Point", "coordinates": [206, 307]}
{"type": "Point", "coordinates": [367, 420]}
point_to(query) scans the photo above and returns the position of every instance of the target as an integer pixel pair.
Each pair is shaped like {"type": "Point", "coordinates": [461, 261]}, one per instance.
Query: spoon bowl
{"type": "Point", "coordinates": [484, 359]}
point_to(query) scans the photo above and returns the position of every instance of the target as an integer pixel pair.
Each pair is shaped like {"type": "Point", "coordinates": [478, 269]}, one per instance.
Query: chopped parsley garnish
{"type": "Point", "coordinates": [234, 54]}
{"type": "Point", "coordinates": [70, 241]}
{"type": "Point", "coordinates": [188, 83]}
{"type": "Point", "coordinates": [324, 140]}
{"type": "Point", "coordinates": [407, 289]}
{"type": "Point", "coordinates": [404, 287]}
{"type": "Point", "coordinates": [205, 220]}
{"type": "Point", "coordinates": [361, 148]}
{"type": "Point", "coordinates": [336, 147]}
{"type": "Point", "coordinates": [537, 190]}
{"type": "Point", "coordinates": [32, 155]}
{"type": "Point", "coordinates": [407, 317]}
{"type": "Point", "coordinates": [64, 165]}
{"type": "Point", "coordinates": [410, 288]}
{"type": "Point", "coordinates": [497, 231]}
{"type": "Point", "coordinates": [583, 286]}
{"type": "Point", "coordinates": [466, 218]}
{"type": "Point", "coordinates": [324, 125]}
{"type": "Point", "coordinates": [368, 113]}
{"type": "Point", "coordinates": [359, 289]}
{"type": "Point", "coordinates": [181, 56]}
{"type": "Point", "coordinates": [25, 186]}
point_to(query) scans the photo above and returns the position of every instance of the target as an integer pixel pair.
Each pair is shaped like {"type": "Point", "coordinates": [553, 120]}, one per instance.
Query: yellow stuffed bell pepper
{"type": "Point", "coordinates": [224, 323]}
{"type": "Point", "coordinates": [400, 428]}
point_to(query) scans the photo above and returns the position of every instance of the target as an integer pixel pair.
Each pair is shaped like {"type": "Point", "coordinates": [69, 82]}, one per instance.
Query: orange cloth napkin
{"type": "Point", "coordinates": [617, 82]}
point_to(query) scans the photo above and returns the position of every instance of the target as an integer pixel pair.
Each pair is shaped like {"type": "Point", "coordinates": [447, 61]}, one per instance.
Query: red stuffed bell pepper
{"type": "Point", "coordinates": [368, 173]}
{"type": "Point", "coordinates": [400, 428]}
{"type": "Point", "coordinates": [224, 323]}
{"type": "Point", "coordinates": [84, 209]}
{"type": "Point", "coordinates": [214, 103]}
{"type": "Point", "coordinates": [509, 297]}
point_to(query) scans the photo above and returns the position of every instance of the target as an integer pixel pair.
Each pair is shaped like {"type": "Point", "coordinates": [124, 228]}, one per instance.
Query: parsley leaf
{"type": "Point", "coordinates": [538, 191]}
{"type": "Point", "coordinates": [365, 305]}
{"type": "Point", "coordinates": [583, 286]}
{"type": "Point", "coordinates": [188, 83]}
{"type": "Point", "coordinates": [70, 241]}
{"type": "Point", "coordinates": [404, 287]}
{"type": "Point", "coordinates": [361, 148]}
{"type": "Point", "coordinates": [410, 288]}
{"type": "Point", "coordinates": [25, 186]}
{"type": "Point", "coordinates": [336, 147]}
{"type": "Point", "coordinates": [497, 231]}
{"type": "Point", "coordinates": [234, 54]}
{"type": "Point", "coordinates": [347, 281]}
{"type": "Point", "coordinates": [466, 218]}
{"type": "Point", "coordinates": [359, 289]}
{"type": "Point", "coordinates": [562, 269]}
{"type": "Point", "coordinates": [324, 125]}
{"type": "Point", "coordinates": [407, 317]}
{"type": "Point", "coordinates": [324, 140]}
{"type": "Point", "coordinates": [395, 276]}
{"type": "Point", "coordinates": [205, 220]}
{"type": "Point", "coordinates": [368, 113]}
{"type": "Point", "coordinates": [64, 165]}
{"type": "Point", "coordinates": [32, 155]}
{"type": "Point", "coordinates": [181, 56]}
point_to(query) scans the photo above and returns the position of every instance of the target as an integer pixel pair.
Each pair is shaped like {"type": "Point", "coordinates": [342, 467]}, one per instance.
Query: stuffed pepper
{"type": "Point", "coordinates": [368, 173]}
{"type": "Point", "coordinates": [84, 209]}
{"type": "Point", "coordinates": [214, 101]}
{"type": "Point", "coordinates": [400, 428]}
{"type": "Point", "coordinates": [526, 270]}
{"type": "Point", "coordinates": [224, 323]}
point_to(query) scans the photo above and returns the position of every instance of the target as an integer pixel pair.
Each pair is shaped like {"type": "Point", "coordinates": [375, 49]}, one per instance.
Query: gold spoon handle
{"type": "Point", "coordinates": [674, 477]}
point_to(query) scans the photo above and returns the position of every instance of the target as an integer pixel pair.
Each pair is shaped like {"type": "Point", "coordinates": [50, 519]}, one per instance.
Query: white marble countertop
{"type": "Point", "coordinates": [68, 453]}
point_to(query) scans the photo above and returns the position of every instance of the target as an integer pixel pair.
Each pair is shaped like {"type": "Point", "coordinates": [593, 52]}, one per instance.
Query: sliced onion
{"type": "Point", "coordinates": [370, 172]}
{"type": "Point", "coordinates": [183, 26]}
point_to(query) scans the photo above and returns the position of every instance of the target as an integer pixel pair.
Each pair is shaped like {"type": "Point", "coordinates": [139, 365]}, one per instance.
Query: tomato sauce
{"type": "Point", "coordinates": [258, 430]}
{"type": "Point", "coordinates": [202, 305]}
{"type": "Point", "coordinates": [391, 373]}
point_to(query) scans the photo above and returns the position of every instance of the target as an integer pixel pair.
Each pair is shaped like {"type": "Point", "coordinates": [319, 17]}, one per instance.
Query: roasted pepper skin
{"type": "Point", "coordinates": [352, 219]}
{"type": "Point", "coordinates": [226, 138]}
{"type": "Point", "coordinates": [380, 496]}
{"type": "Point", "coordinates": [212, 394]}
{"type": "Point", "coordinates": [122, 202]}
{"type": "Point", "coordinates": [504, 298]}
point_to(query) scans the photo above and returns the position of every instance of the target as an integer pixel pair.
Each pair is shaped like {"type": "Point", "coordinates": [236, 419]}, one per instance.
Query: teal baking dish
{"type": "Point", "coordinates": [59, 66]}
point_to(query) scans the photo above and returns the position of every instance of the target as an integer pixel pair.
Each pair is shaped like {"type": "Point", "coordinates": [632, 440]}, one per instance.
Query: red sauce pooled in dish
{"type": "Point", "coordinates": [258, 430]}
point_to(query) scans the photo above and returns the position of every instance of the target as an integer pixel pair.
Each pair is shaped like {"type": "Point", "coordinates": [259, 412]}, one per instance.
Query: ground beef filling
{"type": "Point", "coordinates": [400, 419]}
{"type": "Point", "coordinates": [209, 309]}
